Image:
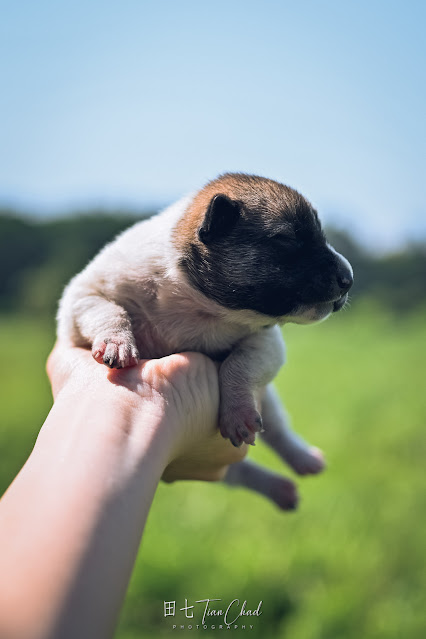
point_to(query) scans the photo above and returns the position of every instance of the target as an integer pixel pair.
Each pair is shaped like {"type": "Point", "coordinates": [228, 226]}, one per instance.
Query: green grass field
{"type": "Point", "coordinates": [350, 564]}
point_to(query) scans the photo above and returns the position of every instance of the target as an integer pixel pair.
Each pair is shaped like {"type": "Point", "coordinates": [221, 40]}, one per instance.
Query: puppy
{"type": "Point", "coordinates": [217, 272]}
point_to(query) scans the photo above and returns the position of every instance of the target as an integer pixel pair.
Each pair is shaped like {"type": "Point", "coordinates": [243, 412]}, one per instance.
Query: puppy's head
{"type": "Point", "coordinates": [250, 243]}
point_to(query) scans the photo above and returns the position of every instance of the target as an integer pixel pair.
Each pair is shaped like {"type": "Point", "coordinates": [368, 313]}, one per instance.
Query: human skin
{"type": "Point", "coordinates": [72, 520]}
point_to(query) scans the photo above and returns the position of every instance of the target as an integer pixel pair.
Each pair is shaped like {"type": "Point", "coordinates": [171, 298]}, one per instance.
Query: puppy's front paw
{"type": "Point", "coordinates": [115, 351]}
{"type": "Point", "coordinates": [239, 422]}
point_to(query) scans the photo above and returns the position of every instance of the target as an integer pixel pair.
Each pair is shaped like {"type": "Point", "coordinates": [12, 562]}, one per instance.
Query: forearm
{"type": "Point", "coordinates": [71, 522]}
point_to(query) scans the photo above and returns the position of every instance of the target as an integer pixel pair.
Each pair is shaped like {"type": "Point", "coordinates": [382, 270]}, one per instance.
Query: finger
{"type": "Point", "coordinates": [207, 460]}
{"type": "Point", "coordinates": [201, 474]}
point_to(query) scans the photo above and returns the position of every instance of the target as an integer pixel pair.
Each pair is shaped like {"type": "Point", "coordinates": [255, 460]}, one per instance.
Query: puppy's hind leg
{"type": "Point", "coordinates": [304, 459]}
{"type": "Point", "coordinates": [281, 490]}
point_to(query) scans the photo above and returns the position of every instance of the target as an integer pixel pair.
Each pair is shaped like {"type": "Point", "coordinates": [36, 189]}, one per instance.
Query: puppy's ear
{"type": "Point", "coordinates": [221, 217]}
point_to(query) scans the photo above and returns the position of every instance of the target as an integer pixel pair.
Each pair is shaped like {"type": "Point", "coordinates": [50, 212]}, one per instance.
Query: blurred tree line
{"type": "Point", "coordinates": [37, 258]}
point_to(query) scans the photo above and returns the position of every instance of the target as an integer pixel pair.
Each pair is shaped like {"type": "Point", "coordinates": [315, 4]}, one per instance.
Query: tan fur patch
{"type": "Point", "coordinates": [267, 197]}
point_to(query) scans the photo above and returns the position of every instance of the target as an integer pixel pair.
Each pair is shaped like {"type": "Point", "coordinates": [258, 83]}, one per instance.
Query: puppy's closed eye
{"type": "Point", "coordinates": [287, 241]}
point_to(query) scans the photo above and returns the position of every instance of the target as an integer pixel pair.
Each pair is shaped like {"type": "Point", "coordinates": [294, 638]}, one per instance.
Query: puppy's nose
{"type": "Point", "coordinates": [344, 278]}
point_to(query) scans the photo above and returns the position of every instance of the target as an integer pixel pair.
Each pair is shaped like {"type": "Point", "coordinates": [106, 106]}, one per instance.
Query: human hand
{"type": "Point", "coordinates": [180, 391]}
{"type": "Point", "coordinates": [87, 487]}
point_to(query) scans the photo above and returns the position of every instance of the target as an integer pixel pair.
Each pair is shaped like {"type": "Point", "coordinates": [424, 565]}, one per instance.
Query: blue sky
{"type": "Point", "coordinates": [133, 103]}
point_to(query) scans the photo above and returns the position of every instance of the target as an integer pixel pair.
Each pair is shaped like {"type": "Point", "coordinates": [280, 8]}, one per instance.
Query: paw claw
{"type": "Point", "coordinates": [235, 442]}
{"type": "Point", "coordinates": [117, 351]}
{"type": "Point", "coordinates": [240, 423]}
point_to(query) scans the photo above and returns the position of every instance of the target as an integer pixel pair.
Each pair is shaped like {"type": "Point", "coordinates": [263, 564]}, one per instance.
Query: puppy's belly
{"type": "Point", "coordinates": [152, 344]}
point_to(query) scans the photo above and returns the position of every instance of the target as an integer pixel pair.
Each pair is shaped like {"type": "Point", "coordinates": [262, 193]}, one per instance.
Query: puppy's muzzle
{"type": "Point", "coordinates": [345, 280]}
{"type": "Point", "coordinates": [340, 303]}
